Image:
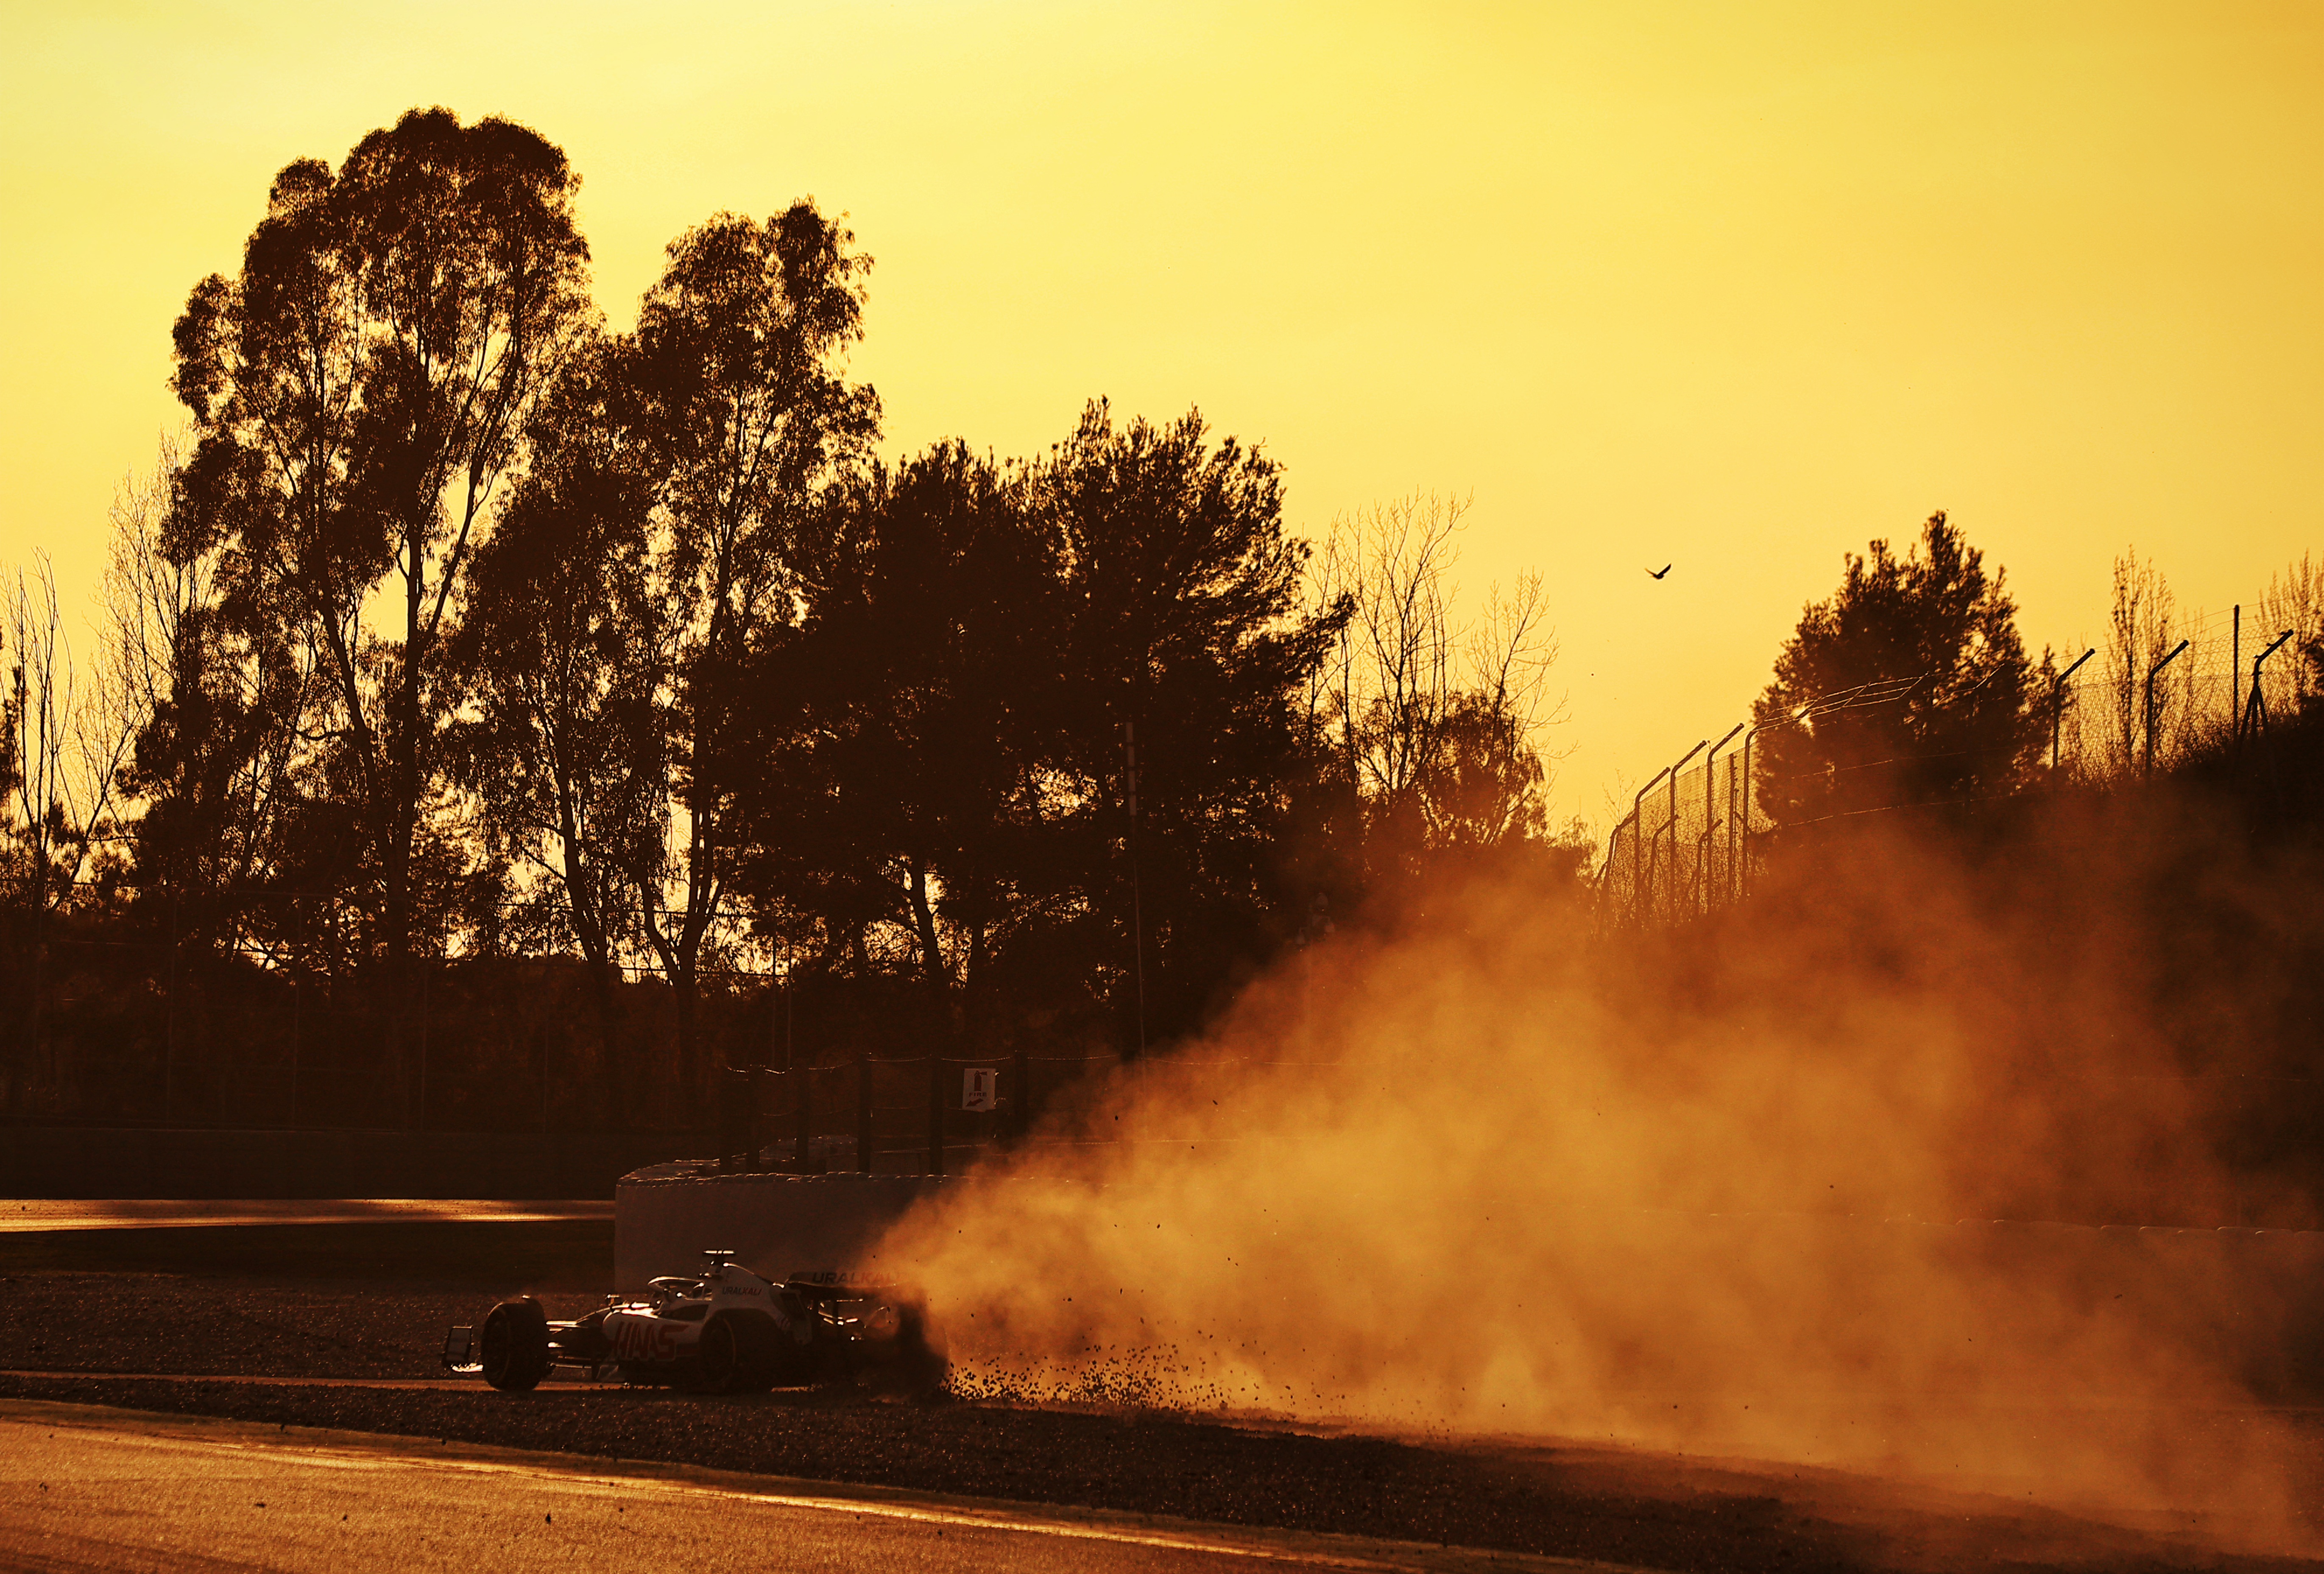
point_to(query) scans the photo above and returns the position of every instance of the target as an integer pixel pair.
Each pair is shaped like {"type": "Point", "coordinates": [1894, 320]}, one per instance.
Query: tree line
{"type": "Point", "coordinates": [1911, 685]}
{"type": "Point", "coordinates": [458, 625]}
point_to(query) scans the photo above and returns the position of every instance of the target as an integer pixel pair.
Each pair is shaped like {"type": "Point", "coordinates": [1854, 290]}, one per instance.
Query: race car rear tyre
{"type": "Point", "coordinates": [718, 1357]}
{"type": "Point", "coordinates": [920, 1363]}
{"type": "Point", "coordinates": [762, 1350]}
{"type": "Point", "coordinates": [735, 1355]}
{"type": "Point", "coordinates": [514, 1345]}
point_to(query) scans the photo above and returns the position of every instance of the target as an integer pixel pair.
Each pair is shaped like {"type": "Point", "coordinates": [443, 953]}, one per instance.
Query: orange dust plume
{"type": "Point", "coordinates": [1727, 1189]}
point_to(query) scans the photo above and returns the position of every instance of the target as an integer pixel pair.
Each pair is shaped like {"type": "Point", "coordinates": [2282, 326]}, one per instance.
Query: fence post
{"type": "Point", "coordinates": [2058, 706]}
{"type": "Point", "coordinates": [1674, 770]}
{"type": "Point", "coordinates": [936, 1114]}
{"type": "Point", "coordinates": [1639, 846]}
{"type": "Point", "coordinates": [2151, 673]}
{"type": "Point", "coordinates": [1733, 809]}
{"type": "Point", "coordinates": [863, 1112]}
{"type": "Point", "coordinates": [805, 1078]}
{"type": "Point", "coordinates": [1706, 860]}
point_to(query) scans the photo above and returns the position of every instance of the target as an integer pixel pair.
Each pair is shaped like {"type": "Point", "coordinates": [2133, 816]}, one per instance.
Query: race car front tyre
{"type": "Point", "coordinates": [515, 1345]}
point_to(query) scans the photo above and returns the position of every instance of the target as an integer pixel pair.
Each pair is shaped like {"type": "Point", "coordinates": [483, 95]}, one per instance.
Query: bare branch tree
{"type": "Point", "coordinates": [146, 594]}
{"type": "Point", "coordinates": [2294, 600]}
{"type": "Point", "coordinates": [2141, 629]}
{"type": "Point", "coordinates": [1438, 717]}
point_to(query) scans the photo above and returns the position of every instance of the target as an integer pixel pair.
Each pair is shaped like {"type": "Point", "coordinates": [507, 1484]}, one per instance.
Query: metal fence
{"type": "Point", "coordinates": [2220, 677]}
{"type": "Point", "coordinates": [108, 1016]}
{"type": "Point", "coordinates": [267, 1013]}
{"type": "Point", "coordinates": [935, 1115]}
{"type": "Point", "coordinates": [918, 1115]}
{"type": "Point", "coordinates": [1697, 833]}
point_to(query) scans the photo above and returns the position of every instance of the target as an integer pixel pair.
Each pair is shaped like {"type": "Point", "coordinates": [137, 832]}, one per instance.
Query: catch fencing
{"type": "Point", "coordinates": [111, 1018]}
{"type": "Point", "coordinates": [937, 1114]}
{"type": "Point", "coordinates": [1699, 831]}
{"type": "Point", "coordinates": [124, 1026]}
{"type": "Point", "coordinates": [918, 1115]}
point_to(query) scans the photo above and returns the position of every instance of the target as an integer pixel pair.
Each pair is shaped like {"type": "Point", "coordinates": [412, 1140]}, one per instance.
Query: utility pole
{"type": "Point", "coordinates": [2151, 673]}
{"type": "Point", "coordinates": [2058, 703]}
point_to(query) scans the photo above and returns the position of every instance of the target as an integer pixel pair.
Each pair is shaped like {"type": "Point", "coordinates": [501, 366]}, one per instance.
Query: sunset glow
{"type": "Point", "coordinates": [1733, 288]}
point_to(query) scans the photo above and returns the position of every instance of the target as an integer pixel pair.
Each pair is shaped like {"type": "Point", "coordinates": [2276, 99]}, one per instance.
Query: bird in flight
{"type": "Point", "coordinates": [1658, 573]}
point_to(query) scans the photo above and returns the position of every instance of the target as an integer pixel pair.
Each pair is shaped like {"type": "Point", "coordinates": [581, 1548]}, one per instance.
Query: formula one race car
{"type": "Point", "coordinates": [727, 1332]}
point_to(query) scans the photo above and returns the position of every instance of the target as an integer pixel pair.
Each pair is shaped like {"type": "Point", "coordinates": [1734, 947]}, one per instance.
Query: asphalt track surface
{"type": "Point", "coordinates": [326, 1331]}
{"type": "Point", "coordinates": [88, 1488]}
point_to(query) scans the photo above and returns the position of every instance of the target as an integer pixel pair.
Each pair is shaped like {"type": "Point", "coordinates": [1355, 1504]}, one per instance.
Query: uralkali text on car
{"type": "Point", "coordinates": [729, 1331]}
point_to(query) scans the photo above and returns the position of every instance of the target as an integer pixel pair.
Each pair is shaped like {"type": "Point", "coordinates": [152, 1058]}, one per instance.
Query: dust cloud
{"type": "Point", "coordinates": [1727, 1189]}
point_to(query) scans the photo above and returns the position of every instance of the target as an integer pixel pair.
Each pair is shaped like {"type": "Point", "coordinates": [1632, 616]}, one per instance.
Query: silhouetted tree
{"type": "Point", "coordinates": [744, 407]}
{"type": "Point", "coordinates": [2140, 629]}
{"type": "Point", "coordinates": [69, 737]}
{"type": "Point", "coordinates": [2294, 602]}
{"type": "Point", "coordinates": [912, 819]}
{"type": "Point", "coordinates": [1435, 717]}
{"type": "Point", "coordinates": [212, 701]}
{"type": "Point", "coordinates": [10, 709]}
{"type": "Point", "coordinates": [358, 393]}
{"type": "Point", "coordinates": [1183, 617]}
{"type": "Point", "coordinates": [559, 741]}
{"type": "Point", "coordinates": [1909, 685]}
{"type": "Point", "coordinates": [940, 792]}
{"type": "Point", "coordinates": [1481, 792]}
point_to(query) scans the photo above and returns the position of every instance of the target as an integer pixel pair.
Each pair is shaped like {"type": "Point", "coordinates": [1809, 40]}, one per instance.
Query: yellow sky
{"type": "Point", "coordinates": [1735, 285]}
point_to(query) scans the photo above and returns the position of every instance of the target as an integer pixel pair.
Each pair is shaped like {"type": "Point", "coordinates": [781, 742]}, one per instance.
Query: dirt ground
{"type": "Point", "coordinates": [340, 1326]}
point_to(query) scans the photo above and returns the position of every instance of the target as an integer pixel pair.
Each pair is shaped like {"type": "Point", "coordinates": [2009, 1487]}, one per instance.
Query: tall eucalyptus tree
{"type": "Point", "coordinates": [558, 740]}
{"type": "Point", "coordinates": [737, 369]}
{"type": "Point", "coordinates": [360, 390]}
